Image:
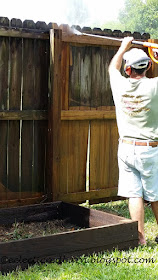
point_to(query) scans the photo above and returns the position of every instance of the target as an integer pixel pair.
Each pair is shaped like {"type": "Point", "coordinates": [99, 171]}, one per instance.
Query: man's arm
{"type": "Point", "coordinates": [116, 61]}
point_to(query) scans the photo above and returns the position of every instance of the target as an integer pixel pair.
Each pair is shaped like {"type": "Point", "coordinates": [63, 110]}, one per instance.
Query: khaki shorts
{"type": "Point", "coordinates": [138, 171]}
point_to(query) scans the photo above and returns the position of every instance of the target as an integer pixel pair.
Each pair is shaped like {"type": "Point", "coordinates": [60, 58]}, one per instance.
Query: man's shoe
{"type": "Point", "coordinates": [156, 239]}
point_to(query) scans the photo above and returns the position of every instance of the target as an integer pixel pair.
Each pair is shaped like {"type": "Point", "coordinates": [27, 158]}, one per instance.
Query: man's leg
{"type": "Point", "coordinates": [154, 206]}
{"type": "Point", "coordinates": [136, 209]}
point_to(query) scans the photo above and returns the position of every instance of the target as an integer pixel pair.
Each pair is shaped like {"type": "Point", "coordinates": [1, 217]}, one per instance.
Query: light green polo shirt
{"type": "Point", "coordinates": [136, 103]}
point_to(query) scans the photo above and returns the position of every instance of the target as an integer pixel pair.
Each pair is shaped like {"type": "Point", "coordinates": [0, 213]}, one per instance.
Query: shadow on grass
{"type": "Point", "coordinates": [149, 216]}
{"type": "Point", "coordinates": [151, 243]}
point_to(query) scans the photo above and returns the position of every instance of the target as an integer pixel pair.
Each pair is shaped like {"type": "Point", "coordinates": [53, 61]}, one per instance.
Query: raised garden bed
{"type": "Point", "coordinates": [79, 231]}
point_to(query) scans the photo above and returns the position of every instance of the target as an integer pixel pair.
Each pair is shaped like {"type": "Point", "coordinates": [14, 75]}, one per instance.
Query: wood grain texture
{"type": "Point", "coordinates": [4, 59]}
{"type": "Point", "coordinates": [28, 92]}
{"type": "Point", "coordinates": [14, 104]}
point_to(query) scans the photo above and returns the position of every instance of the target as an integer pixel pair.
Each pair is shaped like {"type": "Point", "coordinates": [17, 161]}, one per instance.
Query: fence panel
{"type": "Point", "coordinates": [89, 91]}
{"type": "Point", "coordinates": [89, 108]}
{"type": "Point", "coordinates": [24, 73]}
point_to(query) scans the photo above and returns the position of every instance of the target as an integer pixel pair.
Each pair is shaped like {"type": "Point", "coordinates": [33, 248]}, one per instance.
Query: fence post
{"type": "Point", "coordinates": [54, 114]}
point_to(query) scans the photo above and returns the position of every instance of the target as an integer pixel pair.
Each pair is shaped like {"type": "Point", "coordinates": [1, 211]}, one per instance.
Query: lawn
{"type": "Point", "coordinates": [133, 264]}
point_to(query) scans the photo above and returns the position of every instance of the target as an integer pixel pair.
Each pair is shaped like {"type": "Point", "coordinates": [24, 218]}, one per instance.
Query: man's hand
{"type": "Point", "coordinates": [126, 44]}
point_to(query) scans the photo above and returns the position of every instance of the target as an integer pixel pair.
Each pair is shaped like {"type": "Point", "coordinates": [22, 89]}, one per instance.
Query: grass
{"type": "Point", "coordinates": [133, 264]}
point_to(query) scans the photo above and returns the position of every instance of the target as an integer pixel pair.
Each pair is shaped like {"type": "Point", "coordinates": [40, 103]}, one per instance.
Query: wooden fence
{"type": "Point", "coordinates": [57, 117]}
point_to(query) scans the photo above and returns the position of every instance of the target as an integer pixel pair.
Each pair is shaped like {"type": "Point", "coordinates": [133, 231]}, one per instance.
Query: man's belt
{"type": "Point", "coordinates": [140, 143]}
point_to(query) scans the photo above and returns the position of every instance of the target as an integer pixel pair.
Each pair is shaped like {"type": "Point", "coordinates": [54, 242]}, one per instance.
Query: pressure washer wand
{"type": "Point", "coordinates": [152, 47]}
{"type": "Point", "coordinates": [144, 44]}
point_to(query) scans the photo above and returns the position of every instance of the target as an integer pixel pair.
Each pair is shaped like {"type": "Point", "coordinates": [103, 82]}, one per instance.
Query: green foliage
{"type": "Point", "coordinates": [113, 25]}
{"type": "Point", "coordinates": [140, 16]}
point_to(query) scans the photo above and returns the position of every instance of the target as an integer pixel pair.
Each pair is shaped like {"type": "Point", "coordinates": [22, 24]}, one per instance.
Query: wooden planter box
{"type": "Point", "coordinates": [101, 231]}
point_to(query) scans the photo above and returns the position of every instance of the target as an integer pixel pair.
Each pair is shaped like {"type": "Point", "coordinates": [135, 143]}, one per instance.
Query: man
{"type": "Point", "coordinates": [136, 102]}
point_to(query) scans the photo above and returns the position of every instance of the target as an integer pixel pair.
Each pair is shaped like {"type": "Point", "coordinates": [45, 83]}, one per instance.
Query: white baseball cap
{"type": "Point", "coordinates": [136, 58]}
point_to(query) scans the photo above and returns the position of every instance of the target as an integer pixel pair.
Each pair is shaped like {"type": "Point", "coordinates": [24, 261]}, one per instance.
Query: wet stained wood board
{"type": "Point", "coordinates": [86, 231]}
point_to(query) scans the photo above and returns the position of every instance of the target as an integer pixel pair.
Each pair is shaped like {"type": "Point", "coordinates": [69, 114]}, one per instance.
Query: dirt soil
{"type": "Point", "coordinates": [23, 230]}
